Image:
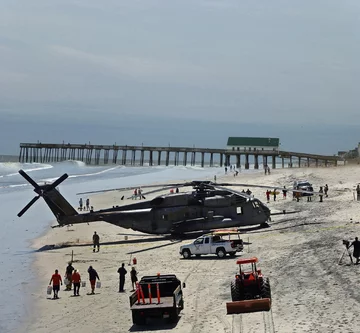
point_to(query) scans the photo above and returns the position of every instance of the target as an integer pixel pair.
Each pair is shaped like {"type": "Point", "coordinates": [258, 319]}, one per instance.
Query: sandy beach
{"type": "Point", "coordinates": [299, 253]}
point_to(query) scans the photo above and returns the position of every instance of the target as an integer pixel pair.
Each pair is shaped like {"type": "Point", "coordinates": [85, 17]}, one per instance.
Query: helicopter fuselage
{"type": "Point", "coordinates": [182, 212]}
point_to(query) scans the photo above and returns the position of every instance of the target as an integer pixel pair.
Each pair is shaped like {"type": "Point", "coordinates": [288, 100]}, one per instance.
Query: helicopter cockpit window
{"type": "Point", "coordinates": [256, 204]}
{"type": "Point", "coordinates": [239, 210]}
{"type": "Point", "coordinates": [165, 217]}
{"type": "Point", "coordinates": [199, 241]}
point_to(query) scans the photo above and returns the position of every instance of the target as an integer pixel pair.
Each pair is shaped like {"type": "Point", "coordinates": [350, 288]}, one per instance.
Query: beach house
{"type": "Point", "coordinates": [248, 144]}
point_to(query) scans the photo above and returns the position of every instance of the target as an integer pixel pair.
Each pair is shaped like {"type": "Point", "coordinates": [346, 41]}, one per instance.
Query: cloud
{"type": "Point", "coordinates": [134, 67]}
{"type": "Point", "coordinates": [12, 77]}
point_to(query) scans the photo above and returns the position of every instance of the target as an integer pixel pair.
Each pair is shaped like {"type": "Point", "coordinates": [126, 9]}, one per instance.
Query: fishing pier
{"type": "Point", "coordinates": [152, 156]}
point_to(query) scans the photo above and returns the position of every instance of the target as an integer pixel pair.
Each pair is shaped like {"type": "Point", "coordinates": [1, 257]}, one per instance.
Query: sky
{"type": "Point", "coordinates": [180, 72]}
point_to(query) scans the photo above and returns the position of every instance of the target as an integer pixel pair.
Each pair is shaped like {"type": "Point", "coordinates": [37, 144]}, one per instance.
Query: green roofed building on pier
{"type": "Point", "coordinates": [248, 144]}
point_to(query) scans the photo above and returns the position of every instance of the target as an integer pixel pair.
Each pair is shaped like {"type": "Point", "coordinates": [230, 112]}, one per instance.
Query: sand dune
{"type": "Point", "coordinates": [299, 253]}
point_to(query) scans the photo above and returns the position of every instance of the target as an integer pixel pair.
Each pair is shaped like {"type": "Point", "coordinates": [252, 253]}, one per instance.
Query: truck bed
{"type": "Point", "coordinates": [165, 302]}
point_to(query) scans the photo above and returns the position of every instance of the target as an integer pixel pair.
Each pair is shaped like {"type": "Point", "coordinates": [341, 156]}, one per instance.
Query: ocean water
{"type": "Point", "coordinates": [16, 256]}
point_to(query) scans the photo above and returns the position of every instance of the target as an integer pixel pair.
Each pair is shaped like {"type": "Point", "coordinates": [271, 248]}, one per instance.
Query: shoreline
{"type": "Point", "coordinates": [290, 236]}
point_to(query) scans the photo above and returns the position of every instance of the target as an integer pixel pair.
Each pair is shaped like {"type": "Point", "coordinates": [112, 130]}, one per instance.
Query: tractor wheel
{"type": "Point", "coordinates": [220, 252]}
{"type": "Point", "coordinates": [265, 290]}
{"type": "Point", "coordinates": [186, 254]}
{"type": "Point", "coordinates": [235, 291]}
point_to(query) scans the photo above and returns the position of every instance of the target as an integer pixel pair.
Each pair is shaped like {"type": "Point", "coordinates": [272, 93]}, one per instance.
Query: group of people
{"type": "Point", "coordinates": [133, 276]}
{"type": "Point", "coordinates": [274, 194]}
{"type": "Point", "coordinates": [232, 168]}
{"type": "Point", "coordinates": [72, 278]}
{"type": "Point", "coordinates": [248, 192]}
{"type": "Point", "coordinates": [137, 194]}
{"type": "Point", "coordinates": [86, 206]}
{"type": "Point", "coordinates": [322, 191]}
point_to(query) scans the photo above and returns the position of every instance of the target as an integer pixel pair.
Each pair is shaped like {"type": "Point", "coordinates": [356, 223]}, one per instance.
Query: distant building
{"type": "Point", "coordinates": [248, 144]}
{"type": "Point", "coordinates": [342, 153]}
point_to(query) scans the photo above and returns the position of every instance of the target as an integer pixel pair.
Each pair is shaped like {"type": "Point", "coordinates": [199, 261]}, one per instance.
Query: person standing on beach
{"type": "Point", "coordinates": [274, 194]}
{"type": "Point", "coordinates": [122, 272]}
{"type": "Point", "coordinates": [356, 253]}
{"type": "Point", "coordinates": [93, 275]}
{"type": "Point", "coordinates": [56, 281]}
{"type": "Point", "coordinates": [326, 189]}
{"type": "Point", "coordinates": [76, 279]}
{"type": "Point", "coordinates": [87, 204]}
{"type": "Point", "coordinates": [96, 241]}
{"type": "Point", "coordinates": [311, 189]}
{"type": "Point", "coordinates": [135, 194]}
{"type": "Point", "coordinates": [284, 191]}
{"type": "Point", "coordinates": [80, 204]}
{"type": "Point", "coordinates": [321, 191]}
{"type": "Point", "coordinates": [133, 276]}
{"type": "Point", "coordinates": [68, 273]}
{"type": "Point", "coordinates": [268, 192]}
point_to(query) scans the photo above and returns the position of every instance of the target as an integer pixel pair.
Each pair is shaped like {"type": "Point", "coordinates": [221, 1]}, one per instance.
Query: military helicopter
{"type": "Point", "coordinates": [208, 206]}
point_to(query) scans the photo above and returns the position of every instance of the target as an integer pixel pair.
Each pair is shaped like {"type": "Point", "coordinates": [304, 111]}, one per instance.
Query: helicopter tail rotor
{"type": "Point", "coordinates": [48, 192]}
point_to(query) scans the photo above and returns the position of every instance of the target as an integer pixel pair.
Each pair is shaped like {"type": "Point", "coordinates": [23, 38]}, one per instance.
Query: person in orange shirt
{"type": "Point", "coordinates": [76, 279]}
{"type": "Point", "coordinates": [56, 281]}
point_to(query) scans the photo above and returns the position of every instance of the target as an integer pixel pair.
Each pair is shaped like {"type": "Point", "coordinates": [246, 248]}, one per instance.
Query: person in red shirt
{"type": "Point", "coordinates": [56, 281]}
{"type": "Point", "coordinates": [76, 279]}
{"type": "Point", "coordinates": [268, 195]}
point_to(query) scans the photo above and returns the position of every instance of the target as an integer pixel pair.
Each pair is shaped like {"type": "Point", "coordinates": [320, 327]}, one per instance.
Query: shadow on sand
{"type": "Point", "coordinates": [131, 241]}
{"type": "Point", "coordinates": [154, 324]}
{"type": "Point", "coordinates": [144, 239]}
{"type": "Point", "coordinates": [211, 257]}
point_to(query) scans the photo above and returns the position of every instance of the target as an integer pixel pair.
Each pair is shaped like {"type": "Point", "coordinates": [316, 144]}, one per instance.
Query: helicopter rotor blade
{"type": "Point", "coordinates": [28, 206]}
{"type": "Point", "coordinates": [120, 189]}
{"type": "Point", "coordinates": [57, 182]}
{"type": "Point", "coordinates": [154, 191]}
{"type": "Point", "coordinates": [265, 187]}
{"type": "Point", "coordinates": [29, 179]}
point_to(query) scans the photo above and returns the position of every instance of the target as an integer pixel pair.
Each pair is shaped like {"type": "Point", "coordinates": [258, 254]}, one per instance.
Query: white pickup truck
{"type": "Point", "coordinates": [214, 243]}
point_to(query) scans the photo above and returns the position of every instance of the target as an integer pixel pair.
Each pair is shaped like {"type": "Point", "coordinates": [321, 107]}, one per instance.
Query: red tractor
{"type": "Point", "coordinates": [250, 291]}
